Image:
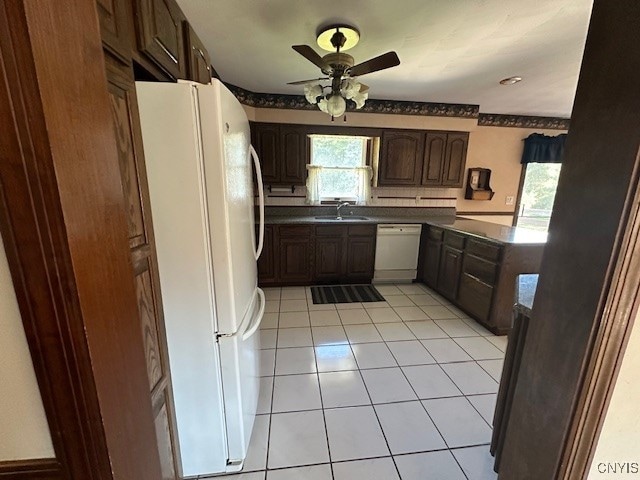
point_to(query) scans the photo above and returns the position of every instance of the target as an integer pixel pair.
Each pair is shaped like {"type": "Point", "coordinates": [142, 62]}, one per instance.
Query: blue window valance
{"type": "Point", "coordinates": [539, 148]}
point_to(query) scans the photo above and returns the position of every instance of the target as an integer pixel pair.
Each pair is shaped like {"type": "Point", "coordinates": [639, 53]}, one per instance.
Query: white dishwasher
{"type": "Point", "coordinates": [397, 253]}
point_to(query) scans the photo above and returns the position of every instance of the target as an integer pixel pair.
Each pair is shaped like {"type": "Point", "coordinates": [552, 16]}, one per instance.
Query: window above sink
{"type": "Point", "coordinates": [340, 168]}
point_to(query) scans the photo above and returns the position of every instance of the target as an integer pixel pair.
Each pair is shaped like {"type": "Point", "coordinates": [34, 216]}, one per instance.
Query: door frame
{"type": "Point", "coordinates": [607, 353]}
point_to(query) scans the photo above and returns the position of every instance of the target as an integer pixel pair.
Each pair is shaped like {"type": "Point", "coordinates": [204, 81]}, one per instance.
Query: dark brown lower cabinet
{"type": "Point", "coordinates": [267, 266]}
{"type": "Point", "coordinates": [294, 250]}
{"type": "Point", "coordinates": [329, 258]}
{"type": "Point", "coordinates": [475, 296]}
{"type": "Point", "coordinates": [431, 263]}
{"type": "Point", "coordinates": [449, 273]}
{"type": "Point", "coordinates": [320, 254]}
{"type": "Point", "coordinates": [361, 253]}
{"type": "Point", "coordinates": [476, 274]}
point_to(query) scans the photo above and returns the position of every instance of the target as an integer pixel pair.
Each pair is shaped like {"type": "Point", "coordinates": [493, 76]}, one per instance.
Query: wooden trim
{"type": "Point", "coordinates": [33, 469]}
{"type": "Point", "coordinates": [606, 357]}
{"type": "Point", "coordinates": [493, 214]}
{"type": "Point", "coordinates": [62, 218]}
{"type": "Point", "coordinates": [523, 174]}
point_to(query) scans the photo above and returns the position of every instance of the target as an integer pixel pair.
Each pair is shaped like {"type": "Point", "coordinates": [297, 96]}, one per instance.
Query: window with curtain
{"type": "Point", "coordinates": [338, 169]}
{"type": "Point", "coordinates": [541, 160]}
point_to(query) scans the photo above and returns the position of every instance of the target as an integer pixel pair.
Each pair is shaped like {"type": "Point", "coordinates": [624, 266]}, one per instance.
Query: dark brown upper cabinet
{"type": "Point", "coordinates": [293, 148]}
{"type": "Point", "coordinates": [401, 158]}
{"type": "Point", "coordinates": [265, 138]}
{"type": "Point", "coordinates": [115, 28]}
{"type": "Point", "coordinates": [198, 60]}
{"type": "Point", "coordinates": [434, 153]}
{"type": "Point", "coordinates": [455, 159]}
{"type": "Point", "coordinates": [159, 25]}
{"type": "Point", "coordinates": [283, 151]}
{"type": "Point", "coordinates": [431, 159]}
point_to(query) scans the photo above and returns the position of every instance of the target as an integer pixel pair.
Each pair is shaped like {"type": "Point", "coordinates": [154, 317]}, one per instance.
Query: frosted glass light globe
{"type": "Point", "coordinates": [312, 92]}
{"type": "Point", "coordinates": [336, 105]}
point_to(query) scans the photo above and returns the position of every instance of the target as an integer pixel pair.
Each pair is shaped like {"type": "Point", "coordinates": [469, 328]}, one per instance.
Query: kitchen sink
{"type": "Point", "coordinates": [339, 219]}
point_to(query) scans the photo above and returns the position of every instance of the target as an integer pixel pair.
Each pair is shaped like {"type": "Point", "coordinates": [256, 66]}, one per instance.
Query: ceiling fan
{"type": "Point", "coordinates": [339, 68]}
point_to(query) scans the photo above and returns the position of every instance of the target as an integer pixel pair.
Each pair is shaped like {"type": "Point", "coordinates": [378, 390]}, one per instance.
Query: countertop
{"type": "Point", "coordinates": [525, 293]}
{"type": "Point", "coordinates": [485, 230]}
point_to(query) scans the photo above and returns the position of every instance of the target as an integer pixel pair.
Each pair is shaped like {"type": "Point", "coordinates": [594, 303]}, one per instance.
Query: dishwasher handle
{"type": "Point", "coordinates": [399, 229]}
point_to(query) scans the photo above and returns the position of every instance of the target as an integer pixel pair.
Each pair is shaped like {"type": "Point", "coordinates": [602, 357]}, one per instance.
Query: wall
{"type": "Point", "coordinates": [618, 441]}
{"type": "Point", "coordinates": [497, 148]}
{"type": "Point", "coordinates": [23, 425]}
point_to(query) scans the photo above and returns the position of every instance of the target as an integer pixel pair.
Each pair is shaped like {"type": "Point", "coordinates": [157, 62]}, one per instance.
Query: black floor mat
{"type": "Point", "coordinates": [345, 294]}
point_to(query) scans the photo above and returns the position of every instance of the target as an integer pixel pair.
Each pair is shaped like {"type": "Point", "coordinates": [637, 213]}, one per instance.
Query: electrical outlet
{"type": "Point", "coordinates": [509, 200]}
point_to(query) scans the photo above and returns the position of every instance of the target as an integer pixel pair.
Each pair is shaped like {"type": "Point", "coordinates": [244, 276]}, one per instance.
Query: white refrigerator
{"type": "Point", "coordinates": [198, 159]}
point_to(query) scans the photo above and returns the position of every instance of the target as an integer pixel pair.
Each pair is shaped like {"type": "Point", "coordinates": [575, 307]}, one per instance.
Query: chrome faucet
{"type": "Point", "coordinates": [338, 207]}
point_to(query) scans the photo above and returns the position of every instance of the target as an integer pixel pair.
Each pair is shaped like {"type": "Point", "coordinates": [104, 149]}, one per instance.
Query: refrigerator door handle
{"type": "Point", "coordinates": [256, 163]}
{"type": "Point", "coordinates": [258, 320]}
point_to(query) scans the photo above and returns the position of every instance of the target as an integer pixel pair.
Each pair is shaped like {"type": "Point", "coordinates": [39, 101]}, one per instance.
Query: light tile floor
{"type": "Point", "coordinates": [396, 390]}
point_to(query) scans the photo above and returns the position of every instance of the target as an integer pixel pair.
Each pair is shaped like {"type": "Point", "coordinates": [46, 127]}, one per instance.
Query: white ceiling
{"type": "Point", "coordinates": [452, 51]}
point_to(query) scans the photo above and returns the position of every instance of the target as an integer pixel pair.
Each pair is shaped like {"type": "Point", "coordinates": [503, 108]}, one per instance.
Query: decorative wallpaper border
{"type": "Point", "coordinates": [400, 107]}
{"type": "Point", "coordinates": [522, 121]}
{"type": "Point", "coordinates": [298, 102]}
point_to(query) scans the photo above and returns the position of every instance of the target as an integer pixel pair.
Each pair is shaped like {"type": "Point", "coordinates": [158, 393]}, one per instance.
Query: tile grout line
{"type": "Point", "coordinates": [324, 418]}
{"type": "Point", "coordinates": [273, 390]}
{"type": "Point", "coordinates": [375, 412]}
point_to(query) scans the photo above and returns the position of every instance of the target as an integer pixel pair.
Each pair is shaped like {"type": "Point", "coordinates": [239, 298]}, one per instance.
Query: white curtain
{"type": "Point", "coordinates": [362, 193]}
{"type": "Point", "coordinates": [365, 174]}
{"type": "Point", "coordinates": [313, 184]}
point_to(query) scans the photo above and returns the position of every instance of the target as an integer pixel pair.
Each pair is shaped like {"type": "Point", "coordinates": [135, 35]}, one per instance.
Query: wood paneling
{"type": "Point", "coordinates": [148, 316]}
{"type": "Point", "coordinates": [63, 219]}
{"type": "Point", "coordinates": [160, 35]}
{"type": "Point", "coordinates": [401, 158]}
{"type": "Point", "coordinates": [122, 97]}
{"type": "Point", "coordinates": [142, 247]}
{"type": "Point", "coordinates": [164, 436]}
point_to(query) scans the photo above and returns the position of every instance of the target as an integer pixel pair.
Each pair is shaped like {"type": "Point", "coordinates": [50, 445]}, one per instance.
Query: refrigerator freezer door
{"type": "Point", "coordinates": [231, 201]}
{"type": "Point", "coordinates": [178, 204]}
{"type": "Point", "coordinates": [240, 379]}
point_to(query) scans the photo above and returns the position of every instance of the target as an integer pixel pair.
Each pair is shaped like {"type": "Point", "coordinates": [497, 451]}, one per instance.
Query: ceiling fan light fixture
{"type": "Point", "coordinates": [336, 105]}
{"type": "Point", "coordinates": [351, 37]}
{"type": "Point", "coordinates": [322, 105]}
{"type": "Point", "coordinates": [350, 88]}
{"type": "Point", "coordinates": [312, 92]}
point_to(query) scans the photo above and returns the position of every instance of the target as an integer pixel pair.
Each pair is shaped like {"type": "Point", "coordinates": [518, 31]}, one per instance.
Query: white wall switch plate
{"type": "Point", "coordinates": [509, 200]}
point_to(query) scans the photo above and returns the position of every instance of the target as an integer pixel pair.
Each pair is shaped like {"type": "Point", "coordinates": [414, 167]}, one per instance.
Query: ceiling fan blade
{"type": "Point", "coordinates": [386, 60]}
{"type": "Point", "coordinates": [302, 82]}
{"type": "Point", "coordinates": [310, 54]}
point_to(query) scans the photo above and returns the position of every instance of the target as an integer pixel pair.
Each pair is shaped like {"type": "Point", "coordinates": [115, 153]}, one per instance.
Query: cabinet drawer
{"type": "Point", "coordinates": [454, 239]}
{"type": "Point", "coordinates": [480, 268]}
{"type": "Point", "coordinates": [286, 230]}
{"type": "Point", "coordinates": [435, 233]}
{"type": "Point", "coordinates": [475, 297]}
{"type": "Point", "coordinates": [330, 230]}
{"type": "Point", "coordinates": [355, 230]}
{"type": "Point", "coordinates": [484, 250]}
